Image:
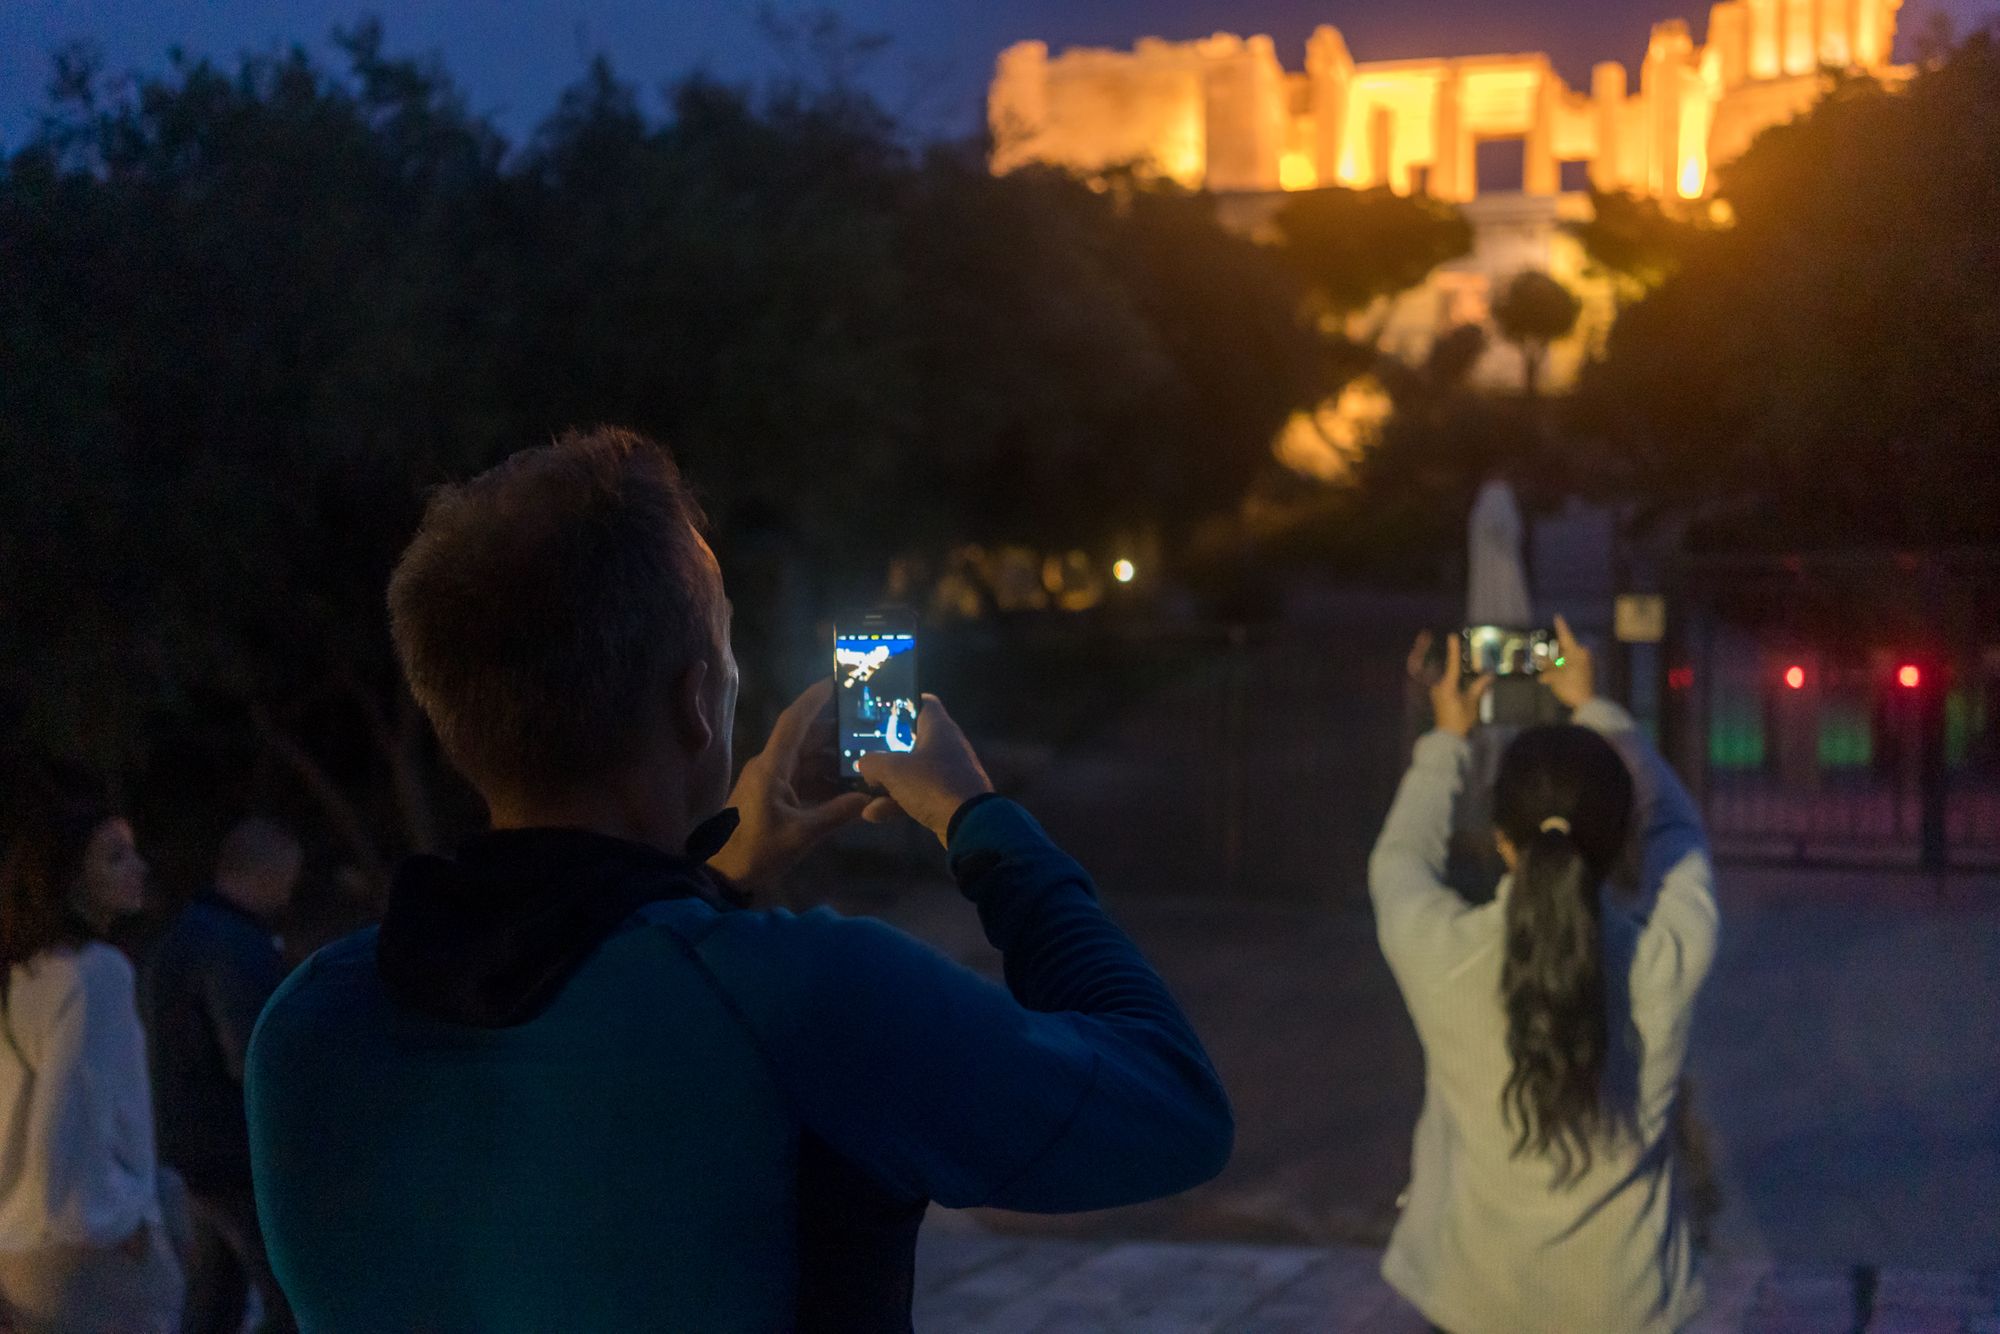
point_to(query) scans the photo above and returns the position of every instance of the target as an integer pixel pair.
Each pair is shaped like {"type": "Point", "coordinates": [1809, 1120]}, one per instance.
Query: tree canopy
{"type": "Point", "coordinates": [255, 311]}
{"type": "Point", "coordinates": [1634, 241]}
{"type": "Point", "coordinates": [1354, 246]}
{"type": "Point", "coordinates": [1821, 371]}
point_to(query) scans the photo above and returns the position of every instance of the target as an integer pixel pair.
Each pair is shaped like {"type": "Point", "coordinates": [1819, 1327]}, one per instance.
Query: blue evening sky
{"type": "Point", "coordinates": [513, 56]}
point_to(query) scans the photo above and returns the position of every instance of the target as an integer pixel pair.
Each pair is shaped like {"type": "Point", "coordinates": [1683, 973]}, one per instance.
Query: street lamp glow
{"type": "Point", "coordinates": [1909, 677]}
{"type": "Point", "coordinates": [1122, 571]}
{"type": "Point", "coordinates": [1795, 677]}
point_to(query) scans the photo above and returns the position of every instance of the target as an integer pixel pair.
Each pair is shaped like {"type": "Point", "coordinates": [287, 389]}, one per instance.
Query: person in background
{"type": "Point", "coordinates": [1547, 1190]}
{"type": "Point", "coordinates": [82, 1242]}
{"type": "Point", "coordinates": [571, 1082]}
{"type": "Point", "coordinates": [205, 984]}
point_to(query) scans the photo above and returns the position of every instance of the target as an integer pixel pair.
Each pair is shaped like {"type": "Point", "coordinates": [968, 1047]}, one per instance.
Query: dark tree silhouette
{"type": "Point", "coordinates": [1821, 371]}
{"type": "Point", "coordinates": [1353, 246]}
{"type": "Point", "coordinates": [1531, 312]}
{"type": "Point", "coordinates": [254, 312]}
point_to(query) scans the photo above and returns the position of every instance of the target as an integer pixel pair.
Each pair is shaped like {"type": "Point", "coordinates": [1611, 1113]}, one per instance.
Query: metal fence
{"type": "Point", "coordinates": [1844, 711]}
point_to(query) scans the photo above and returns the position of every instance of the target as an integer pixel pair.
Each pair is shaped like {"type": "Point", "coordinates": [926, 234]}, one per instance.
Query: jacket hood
{"type": "Point", "coordinates": [490, 936]}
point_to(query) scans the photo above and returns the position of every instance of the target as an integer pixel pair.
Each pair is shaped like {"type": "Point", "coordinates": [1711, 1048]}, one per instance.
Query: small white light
{"type": "Point", "coordinates": [1123, 571]}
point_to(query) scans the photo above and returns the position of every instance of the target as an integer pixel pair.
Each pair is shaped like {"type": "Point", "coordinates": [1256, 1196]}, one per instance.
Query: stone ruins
{"type": "Point", "coordinates": [1224, 114]}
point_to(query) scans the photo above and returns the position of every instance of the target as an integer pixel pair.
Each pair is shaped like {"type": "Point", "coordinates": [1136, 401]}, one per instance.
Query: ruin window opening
{"type": "Point", "coordinates": [1502, 164]}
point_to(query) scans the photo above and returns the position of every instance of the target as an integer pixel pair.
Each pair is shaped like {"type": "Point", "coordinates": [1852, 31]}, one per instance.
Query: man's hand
{"type": "Point", "coordinates": [930, 782]}
{"type": "Point", "coordinates": [1454, 704]}
{"type": "Point", "coordinates": [778, 826]}
{"type": "Point", "coordinates": [1574, 679]}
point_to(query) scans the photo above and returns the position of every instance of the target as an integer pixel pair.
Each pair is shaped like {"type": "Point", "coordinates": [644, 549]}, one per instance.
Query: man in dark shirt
{"type": "Point", "coordinates": [573, 1083]}
{"type": "Point", "coordinates": [207, 981]}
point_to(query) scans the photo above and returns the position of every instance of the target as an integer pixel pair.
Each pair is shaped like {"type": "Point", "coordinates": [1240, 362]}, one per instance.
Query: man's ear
{"type": "Point", "coordinates": [693, 726]}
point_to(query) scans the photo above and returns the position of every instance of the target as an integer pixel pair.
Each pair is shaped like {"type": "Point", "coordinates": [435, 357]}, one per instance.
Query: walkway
{"type": "Point", "coordinates": [971, 1280]}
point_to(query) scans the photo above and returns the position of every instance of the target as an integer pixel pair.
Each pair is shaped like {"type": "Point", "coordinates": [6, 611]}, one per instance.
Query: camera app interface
{"type": "Point", "coordinates": [1507, 652]}
{"type": "Point", "coordinates": [877, 679]}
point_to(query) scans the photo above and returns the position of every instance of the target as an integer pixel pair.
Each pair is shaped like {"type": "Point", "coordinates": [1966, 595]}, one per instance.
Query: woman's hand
{"type": "Point", "coordinates": [1454, 704]}
{"type": "Point", "coordinates": [1573, 677]}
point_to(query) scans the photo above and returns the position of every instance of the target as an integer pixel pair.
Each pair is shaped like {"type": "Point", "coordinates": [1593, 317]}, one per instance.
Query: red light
{"type": "Point", "coordinates": [1908, 677]}
{"type": "Point", "coordinates": [1795, 677]}
{"type": "Point", "coordinates": [1680, 678]}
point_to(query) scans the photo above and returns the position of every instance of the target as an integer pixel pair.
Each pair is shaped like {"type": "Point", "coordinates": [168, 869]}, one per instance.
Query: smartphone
{"type": "Point", "coordinates": [1505, 650]}
{"type": "Point", "coordinates": [875, 690]}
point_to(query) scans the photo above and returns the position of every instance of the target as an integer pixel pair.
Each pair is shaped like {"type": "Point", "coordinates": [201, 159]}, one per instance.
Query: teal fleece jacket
{"type": "Point", "coordinates": [628, 1158]}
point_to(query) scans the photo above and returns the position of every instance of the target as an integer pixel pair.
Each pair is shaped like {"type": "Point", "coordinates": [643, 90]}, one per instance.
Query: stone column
{"type": "Point", "coordinates": [1874, 32]}
{"type": "Point", "coordinates": [1729, 36]}
{"type": "Point", "coordinates": [1244, 104]}
{"type": "Point", "coordinates": [1607, 95]}
{"type": "Point", "coordinates": [1381, 144]}
{"type": "Point", "coordinates": [1836, 33]}
{"type": "Point", "coordinates": [1660, 87]}
{"type": "Point", "coordinates": [1330, 71]}
{"type": "Point", "coordinates": [1540, 174]}
{"type": "Point", "coordinates": [1801, 38]}
{"type": "Point", "coordinates": [1767, 51]}
{"type": "Point", "coordinates": [1270, 109]}
{"type": "Point", "coordinates": [1451, 165]}
{"type": "Point", "coordinates": [1655, 104]}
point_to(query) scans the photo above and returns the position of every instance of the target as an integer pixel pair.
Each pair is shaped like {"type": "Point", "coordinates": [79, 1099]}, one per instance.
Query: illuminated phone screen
{"type": "Point", "coordinates": [1505, 651]}
{"type": "Point", "coordinates": [875, 679]}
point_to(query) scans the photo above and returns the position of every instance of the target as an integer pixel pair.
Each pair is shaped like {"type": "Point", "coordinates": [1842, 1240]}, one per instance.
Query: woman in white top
{"type": "Point", "coordinates": [81, 1242]}
{"type": "Point", "coordinates": [1546, 1194]}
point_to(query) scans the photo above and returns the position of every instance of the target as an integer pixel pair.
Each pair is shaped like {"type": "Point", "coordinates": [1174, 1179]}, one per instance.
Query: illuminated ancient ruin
{"type": "Point", "coordinates": [1222, 112]}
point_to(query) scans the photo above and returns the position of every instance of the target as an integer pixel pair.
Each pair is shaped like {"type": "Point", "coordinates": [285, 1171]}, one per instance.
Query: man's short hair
{"type": "Point", "coordinates": [254, 846]}
{"type": "Point", "coordinates": [545, 609]}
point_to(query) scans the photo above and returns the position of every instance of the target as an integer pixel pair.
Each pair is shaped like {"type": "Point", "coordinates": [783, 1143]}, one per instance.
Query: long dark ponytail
{"type": "Point", "coordinates": [1564, 800]}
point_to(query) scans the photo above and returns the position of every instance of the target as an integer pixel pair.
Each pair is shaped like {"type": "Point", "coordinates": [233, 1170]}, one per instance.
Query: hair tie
{"type": "Point", "coordinates": [1557, 823]}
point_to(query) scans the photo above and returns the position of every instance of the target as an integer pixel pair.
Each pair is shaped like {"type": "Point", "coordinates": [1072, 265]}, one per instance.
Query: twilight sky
{"type": "Point", "coordinates": [512, 56]}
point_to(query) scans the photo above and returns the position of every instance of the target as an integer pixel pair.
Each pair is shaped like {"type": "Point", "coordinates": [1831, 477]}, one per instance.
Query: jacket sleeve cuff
{"type": "Point", "coordinates": [1442, 752]}
{"type": "Point", "coordinates": [958, 816]}
{"type": "Point", "coordinates": [1601, 715]}
{"type": "Point", "coordinates": [987, 828]}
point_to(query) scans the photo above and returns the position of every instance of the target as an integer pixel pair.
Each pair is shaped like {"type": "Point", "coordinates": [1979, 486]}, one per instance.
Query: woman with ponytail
{"type": "Point", "coordinates": [1546, 1193]}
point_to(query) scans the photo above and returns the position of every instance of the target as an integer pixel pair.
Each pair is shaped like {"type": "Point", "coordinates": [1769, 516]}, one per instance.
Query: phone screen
{"type": "Point", "coordinates": [1506, 651]}
{"type": "Point", "coordinates": [875, 691]}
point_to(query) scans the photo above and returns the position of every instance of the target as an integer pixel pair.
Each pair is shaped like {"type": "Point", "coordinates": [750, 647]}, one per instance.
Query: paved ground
{"type": "Point", "coordinates": [1844, 1057]}
{"type": "Point", "coordinates": [970, 1281]}
{"type": "Point", "coordinates": [1845, 1051]}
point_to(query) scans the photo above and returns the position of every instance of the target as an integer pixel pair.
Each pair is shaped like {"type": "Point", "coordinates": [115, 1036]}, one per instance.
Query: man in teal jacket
{"type": "Point", "coordinates": [573, 1083]}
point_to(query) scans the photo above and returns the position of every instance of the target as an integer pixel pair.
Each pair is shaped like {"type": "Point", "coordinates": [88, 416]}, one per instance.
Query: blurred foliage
{"type": "Point", "coordinates": [253, 312]}
{"type": "Point", "coordinates": [1821, 371]}
{"type": "Point", "coordinates": [1354, 246]}
{"type": "Point", "coordinates": [1633, 241]}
